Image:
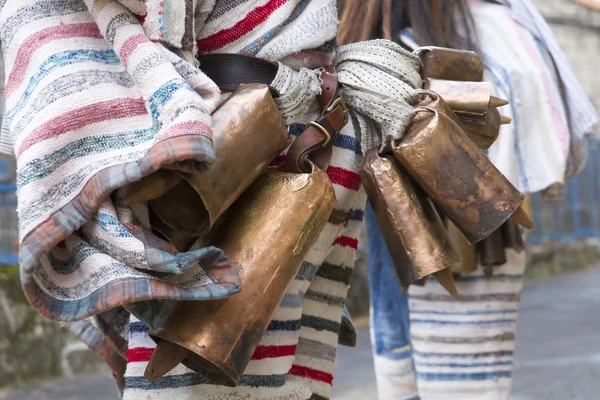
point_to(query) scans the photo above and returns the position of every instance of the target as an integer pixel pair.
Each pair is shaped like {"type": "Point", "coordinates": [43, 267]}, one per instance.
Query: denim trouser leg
{"type": "Point", "coordinates": [390, 324]}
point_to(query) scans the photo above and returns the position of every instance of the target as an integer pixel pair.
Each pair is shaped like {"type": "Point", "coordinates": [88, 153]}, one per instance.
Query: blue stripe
{"type": "Point", "coordinates": [111, 225]}
{"type": "Point", "coordinates": [481, 312]}
{"type": "Point", "coordinates": [498, 277]}
{"type": "Point", "coordinates": [106, 57]}
{"type": "Point", "coordinates": [462, 355]}
{"type": "Point", "coordinates": [502, 81]}
{"type": "Point", "coordinates": [473, 365]}
{"type": "Point", "coordinates": [257, 45]}
{"type": "Point", "coordinates": [482, 376]}
{"type": "Point", "coordinates": [438, 322]}
{"type": "Point", "coordinates": [356, 215]}
{"type": "Point", "coordinates": [164, 94]}
{"type": "Point", "coordinates": [342, 141]}
{"type": "Point", "coordinates": [138, 327]}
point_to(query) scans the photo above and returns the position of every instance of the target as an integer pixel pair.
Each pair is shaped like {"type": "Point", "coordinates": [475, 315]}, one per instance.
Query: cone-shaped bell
{"type": "Point", "coordinates": [497, 102]}
{"type": "Point", "coordinates": [446, 280]}
{"type": "Point", "coordinates": [522, 218]}
{"type": "Point", "coordinates": [412, 229]}
{"type": "Point", "coordinates": [267, 243]}
{"type": "Point", "coordinates": [491, 249]}
{"type": "Point", "coordinates": [466, 251]}
{"type": "Point", "coordinates": [468, 99]}
{"type": "Point", "coordinates": [482, 133]}
{"type": "Point", "coordinates": [512, 237]}
{"type": "Point", "coordinates": [152, 186]}
{"type": "Point", "coordinates": [446, 163]}
{"type": "Point", "coordinates": [247, 118]}
{"type": "Point", "coordinates": [450, 64]}
{"type": "Point", "coordinates": [165, 357]}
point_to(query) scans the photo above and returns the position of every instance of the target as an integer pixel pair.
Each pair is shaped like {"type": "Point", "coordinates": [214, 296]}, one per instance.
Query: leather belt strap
{"type": "Point", "coordinates": [313, 146]}
{"type": "Point", "coordinates": [229, 71]}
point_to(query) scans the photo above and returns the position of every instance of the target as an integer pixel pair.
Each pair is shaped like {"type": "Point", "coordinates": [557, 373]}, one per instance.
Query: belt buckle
{"type": "Point", "coordinates": [339, 102]}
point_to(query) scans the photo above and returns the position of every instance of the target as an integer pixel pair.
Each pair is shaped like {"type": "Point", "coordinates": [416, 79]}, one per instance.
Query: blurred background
{"type": "Point", "coordinates": [558, 351]}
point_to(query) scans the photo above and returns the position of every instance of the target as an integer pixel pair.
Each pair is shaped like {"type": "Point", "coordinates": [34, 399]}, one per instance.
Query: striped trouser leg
{"type": "Point", "coordinates": [464, 349]}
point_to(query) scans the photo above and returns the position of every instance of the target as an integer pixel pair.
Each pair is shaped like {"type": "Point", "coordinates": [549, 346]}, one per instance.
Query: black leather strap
{"type": "Point", "coordinates": [313, 146]}
{"type": "Point", "coordinates": [229, 71]}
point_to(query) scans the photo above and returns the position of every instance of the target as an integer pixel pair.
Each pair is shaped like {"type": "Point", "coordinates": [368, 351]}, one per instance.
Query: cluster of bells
{"type": "Point", "coordinates": [266, 219]}
{"type": "Point", "coordinates": [439, 162]}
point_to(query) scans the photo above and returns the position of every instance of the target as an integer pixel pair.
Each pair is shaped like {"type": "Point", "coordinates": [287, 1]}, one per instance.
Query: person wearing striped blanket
{"type": "Point", "coordinates": [101, 93]}
{"type": "Point", "coordinates": [425, 344]}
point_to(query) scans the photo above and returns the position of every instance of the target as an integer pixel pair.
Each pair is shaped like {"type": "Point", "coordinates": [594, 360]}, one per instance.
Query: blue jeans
{"type": "Point", "coordinates": [390, 324]}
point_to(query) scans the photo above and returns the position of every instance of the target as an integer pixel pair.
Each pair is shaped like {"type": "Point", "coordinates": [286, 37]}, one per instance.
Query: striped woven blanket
{"type": "Point", "coordinates": [101, 93]}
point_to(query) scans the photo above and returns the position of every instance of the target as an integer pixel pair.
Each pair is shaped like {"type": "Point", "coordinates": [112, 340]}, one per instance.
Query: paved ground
{"type": "Point", "coordinates": [557, 355]}
{"type": "Point", "coordinates": [558, 345]}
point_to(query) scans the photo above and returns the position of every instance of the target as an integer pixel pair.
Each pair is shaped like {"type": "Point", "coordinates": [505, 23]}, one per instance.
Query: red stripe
{"type": "Point", "coordinates": [81, 117]}
{"type": "Point", "coordinates": [130, 45]}
{"type": "Point", "coordinates": [39, 39]}
{"type": "Point", "coordinates": [343, 177]}
{"type": "Point", "coordinates": [263, 352]}
{"type": "Point", "coordinates": [139, 354]}
{"type": "Point", "coordinates": [251, 21]}
{"type": "Point", "coordinates": [310, 373]}
{"type": "Point", "coordinates": [186, 128]}
{"type": "Point", "coordinates": [346, 242]}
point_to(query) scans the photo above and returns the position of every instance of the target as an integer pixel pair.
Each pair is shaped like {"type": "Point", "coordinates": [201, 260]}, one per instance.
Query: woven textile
{"type": "Point", "coordinates": [102, 93]}
{"type": "Point", "coordinates": [464, 349]}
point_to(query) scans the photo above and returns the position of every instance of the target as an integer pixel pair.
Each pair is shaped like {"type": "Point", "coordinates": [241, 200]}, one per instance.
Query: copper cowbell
{"type": "Point", "coordinates": [412, 228]}
{"type": "Point", "coordinates": [466, 251]}
{"type": "Point", "coordinates": [444, 161]}
{"type": "Point", "coordinates": [248, 135]}
{"type": "Point", "coordinates": [450, 64]}
{"type": "Point", "coordinates": [471, 99]}
{"type": "Point", "coordinates": [267, 235]}
{"type": "Point", "coordinates": [482, 133]}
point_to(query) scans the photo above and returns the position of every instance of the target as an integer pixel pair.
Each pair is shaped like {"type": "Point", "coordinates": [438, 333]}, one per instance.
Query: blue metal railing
{"type": "Point", "coordinates": [8, 212]}
{"type": "Point", "coordinates": [578, 215]}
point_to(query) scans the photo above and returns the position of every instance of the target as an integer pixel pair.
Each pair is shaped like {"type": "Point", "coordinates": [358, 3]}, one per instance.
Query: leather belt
{"type": "Point", "coordinates": [313, 146]}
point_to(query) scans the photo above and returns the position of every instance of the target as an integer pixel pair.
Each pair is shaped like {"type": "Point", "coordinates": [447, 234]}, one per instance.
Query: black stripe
{"type": "Point", "coordinates": [119, 21]}
{"type": "Point", "coordinates": [194, 379]}
{"type": "Point", "coordinates": [494, 354]}
{"type": "Point", "coordinates": [276, 325]}
{"type": "Point", "coordinates": [320, 324]}
{"type": "Point", "coordinates": [325, 298]}
{"type": "Point", "coordinates": [335, 273]}
{"type": "Point", "coordinates": [469, 298]}
{"type": "Point", "coordinates": [505, 337]}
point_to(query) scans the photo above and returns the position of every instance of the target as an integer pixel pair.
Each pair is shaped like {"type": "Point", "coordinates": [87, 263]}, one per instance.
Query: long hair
{"type": "Point", "coordinates": [445, 23]}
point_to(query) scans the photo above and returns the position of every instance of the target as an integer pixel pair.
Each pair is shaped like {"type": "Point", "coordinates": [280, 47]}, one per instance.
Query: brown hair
{"type": "Point", "coordinates": [445, 23]}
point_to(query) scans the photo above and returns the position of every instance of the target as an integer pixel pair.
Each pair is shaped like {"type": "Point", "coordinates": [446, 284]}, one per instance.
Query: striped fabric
{"type": "Point", "coordinates": [296, 357]}
{"type": "Point", "coordinates": [464, 349]}
{"type": "Point", "coordinates": [533, 151]}
{"type": "Point", "coordinates": [539, 148]}
{"type": "Point", "coordinates": [103, 92]}
{"type": "Point", "coordinates": [582, 114]}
